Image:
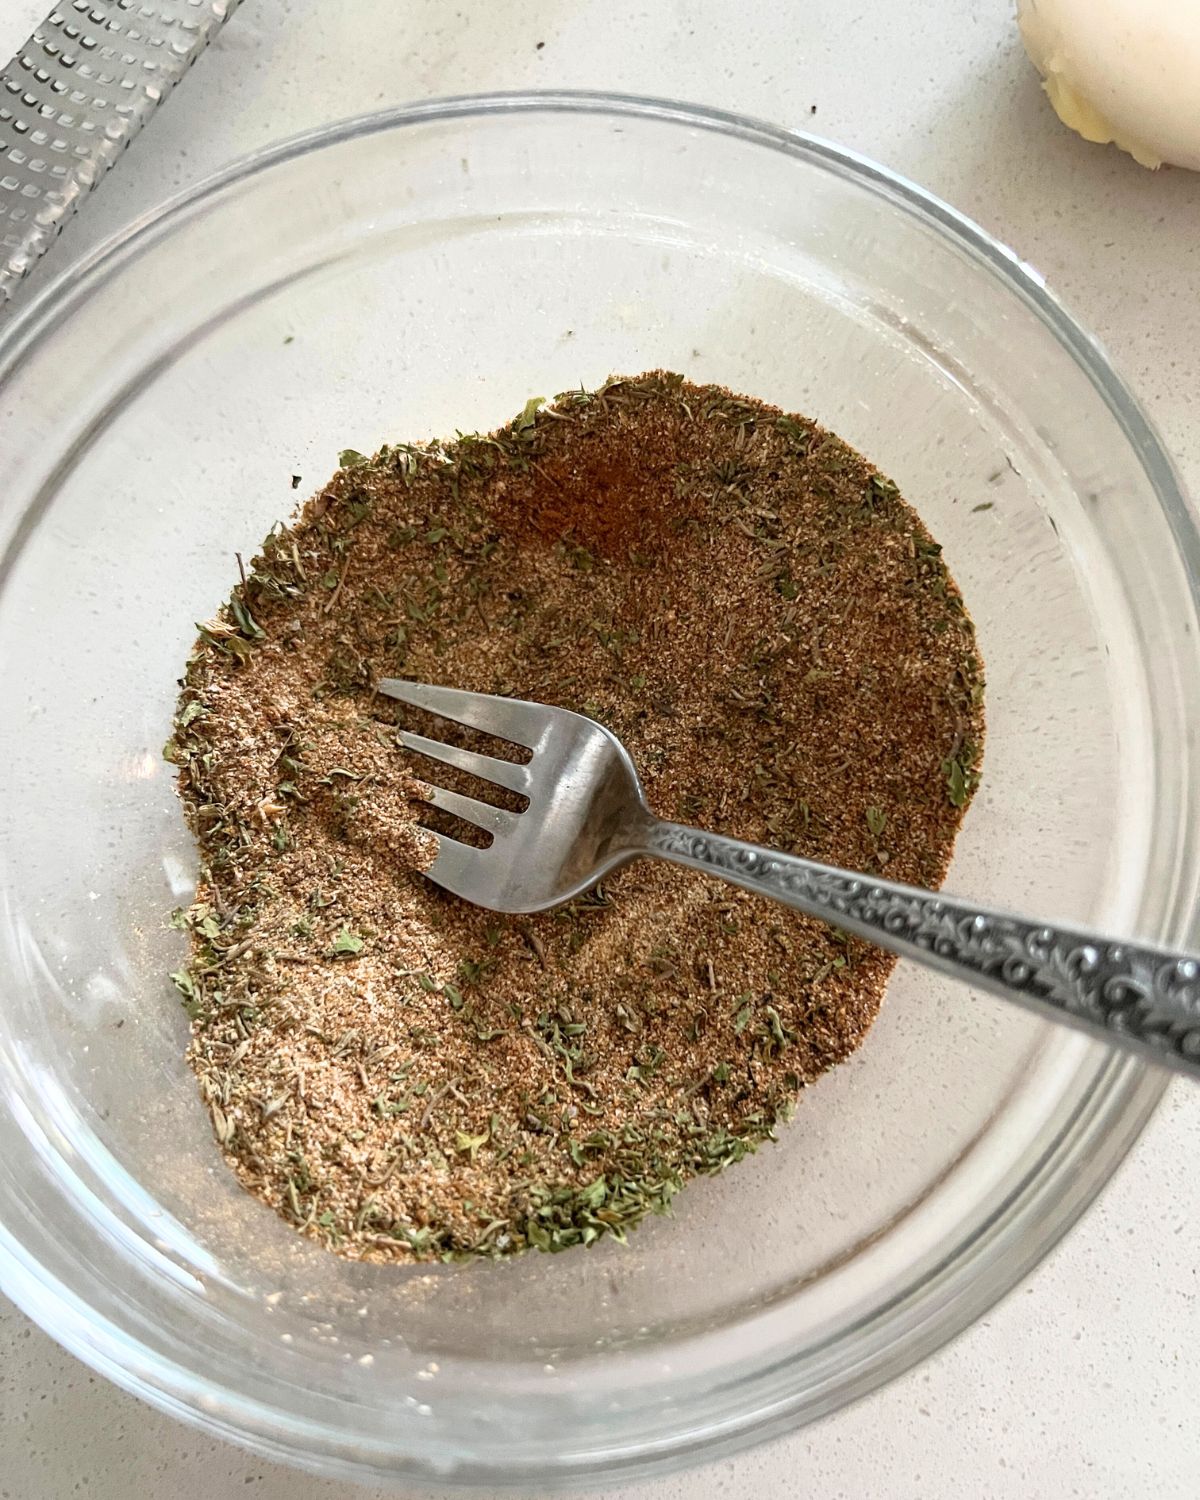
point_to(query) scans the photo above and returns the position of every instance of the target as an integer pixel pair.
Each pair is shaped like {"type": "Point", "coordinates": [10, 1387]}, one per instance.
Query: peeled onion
{"type": "Point", "coordinates": [1126, 71]}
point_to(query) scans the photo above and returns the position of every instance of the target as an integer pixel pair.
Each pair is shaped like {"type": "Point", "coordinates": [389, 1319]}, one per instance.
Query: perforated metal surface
{"type": "Point", "coordinates": [73, 98]}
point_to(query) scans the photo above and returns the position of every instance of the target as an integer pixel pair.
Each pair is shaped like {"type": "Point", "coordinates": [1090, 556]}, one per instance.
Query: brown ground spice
{"type": "Point", "coordinates": [770, 630]}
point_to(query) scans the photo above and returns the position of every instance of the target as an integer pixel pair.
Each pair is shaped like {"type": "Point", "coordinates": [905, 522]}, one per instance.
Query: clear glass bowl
{"type": "Point", "coordinates": [426, 270]}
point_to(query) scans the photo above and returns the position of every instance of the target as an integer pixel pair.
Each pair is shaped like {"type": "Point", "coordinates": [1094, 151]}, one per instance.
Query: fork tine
{"type": "Point", "coordinates": [506, 718]}
{"type": "Point", "coordinates": [456, 867]}
{"type": "Point", "coordinates": [482, 814]}
{"type": "Point", "coordinates": [486, 767]}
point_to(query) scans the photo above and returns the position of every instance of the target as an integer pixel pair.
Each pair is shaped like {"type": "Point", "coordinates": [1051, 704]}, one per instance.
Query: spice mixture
{"type": "Point", "coordinates": [770, 630]}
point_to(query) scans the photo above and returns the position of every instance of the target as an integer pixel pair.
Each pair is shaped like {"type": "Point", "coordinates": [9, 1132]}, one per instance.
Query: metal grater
{"type": "Point", "coordinates": [73, 98]}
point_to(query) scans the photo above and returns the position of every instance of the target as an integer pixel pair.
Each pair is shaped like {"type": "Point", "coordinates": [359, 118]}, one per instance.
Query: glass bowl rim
{"type": "Point", "coordinates": [1037, 1211]}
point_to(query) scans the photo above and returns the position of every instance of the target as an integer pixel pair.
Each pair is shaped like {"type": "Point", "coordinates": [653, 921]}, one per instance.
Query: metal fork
{"type": "Point", "coordinates": [587, 815]}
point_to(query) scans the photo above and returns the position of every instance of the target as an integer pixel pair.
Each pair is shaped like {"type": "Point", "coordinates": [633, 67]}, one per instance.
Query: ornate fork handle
{"type": "Point", "coordinates": [1149, 996]}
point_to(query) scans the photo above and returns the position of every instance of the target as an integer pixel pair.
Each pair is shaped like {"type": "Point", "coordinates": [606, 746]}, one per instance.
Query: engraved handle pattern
{"type": "Point", "coordinates": [1143, 998]}
{"type": "Point", "coordinates": [74, 96]}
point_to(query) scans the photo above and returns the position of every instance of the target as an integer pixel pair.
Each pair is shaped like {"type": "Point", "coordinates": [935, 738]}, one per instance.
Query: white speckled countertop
{"type": "Point", "coordinates": [1082, 1382]}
